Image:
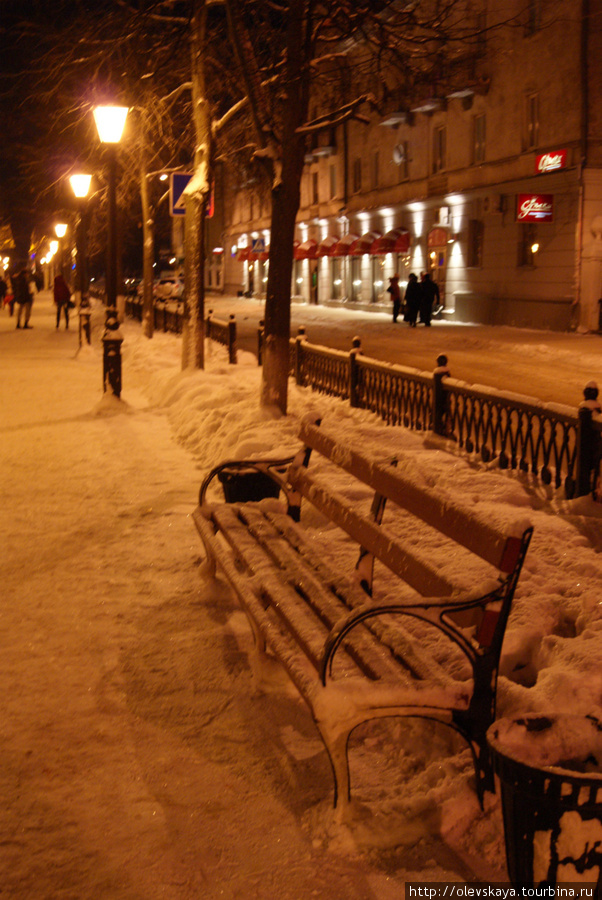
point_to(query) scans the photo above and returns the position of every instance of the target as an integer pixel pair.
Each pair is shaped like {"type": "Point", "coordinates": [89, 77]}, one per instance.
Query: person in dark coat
{"type": "Point", "coordinates": [412, 300]}
{"type": "Point", "coordinates": [429, 291]}
{"type": "Point", "coordinates": [395, 292]}
{"type": "Point", "coordinates": [62, 297]}
{"type": "Point", "coordinates": [23, 297]}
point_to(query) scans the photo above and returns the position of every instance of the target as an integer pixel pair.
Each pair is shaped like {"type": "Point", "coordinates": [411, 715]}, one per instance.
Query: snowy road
{"type": "Point", "coordinates": [548, 365]}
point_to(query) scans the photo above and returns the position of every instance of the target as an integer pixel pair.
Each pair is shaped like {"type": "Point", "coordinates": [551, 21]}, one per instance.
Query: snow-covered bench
{"type": "Point", "coordinates": [353, 656]}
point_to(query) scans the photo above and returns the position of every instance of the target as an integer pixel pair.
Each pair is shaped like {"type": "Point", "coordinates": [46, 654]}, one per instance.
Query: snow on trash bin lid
{"type": "Point", "coordinates": [560, 741]}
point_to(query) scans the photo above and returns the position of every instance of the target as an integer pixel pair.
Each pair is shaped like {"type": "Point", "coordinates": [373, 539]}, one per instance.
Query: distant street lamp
{"type": "Point", "coordinates": [80, 184]}
{"type": "Point", "coordinates": [60, 229]}
{"type": "Point", "coordinates": [110, 122]}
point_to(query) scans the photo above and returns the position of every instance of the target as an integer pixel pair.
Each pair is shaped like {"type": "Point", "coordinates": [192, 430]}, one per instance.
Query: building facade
{"type": "Point", "coordinates": [494, 186]}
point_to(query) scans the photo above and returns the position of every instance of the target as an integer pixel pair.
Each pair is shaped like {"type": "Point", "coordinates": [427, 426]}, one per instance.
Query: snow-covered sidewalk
{"type": "Point", "coordinates": [136, 760]}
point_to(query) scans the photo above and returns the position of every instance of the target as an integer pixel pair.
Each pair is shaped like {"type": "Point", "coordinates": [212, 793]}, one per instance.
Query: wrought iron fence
{"type": "Point", "coordinates": [519, 435]}
{"type": "Point", "coordinates": [169, 316]}
{"type": "Point", "coordinates": [556, 444]}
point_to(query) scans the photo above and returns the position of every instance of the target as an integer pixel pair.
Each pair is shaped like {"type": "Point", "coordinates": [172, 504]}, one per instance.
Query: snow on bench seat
{"type": "Point", "coordinates": [353, 656]}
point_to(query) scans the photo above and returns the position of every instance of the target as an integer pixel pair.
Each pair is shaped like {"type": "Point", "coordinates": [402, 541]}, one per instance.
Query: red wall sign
{"type": "Point", "coordinates": [550, 162]}
{"type": "Point", "coordinates": [534, 207]}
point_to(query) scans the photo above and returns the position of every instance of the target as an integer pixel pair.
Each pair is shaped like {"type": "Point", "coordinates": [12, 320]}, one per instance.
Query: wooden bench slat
{"type": "Point", "coordinates": [298, 564]}
{"type": "Point", "coordinates": [462, 526]}
{"type": "Point", "coordinates": [416, 570]}
{"type": "Point", "coordinates": [248, 589]}
{"type": "Point", "coordinates": [406, 647]}
{"type": "Point", "coordinates": [287, 593]}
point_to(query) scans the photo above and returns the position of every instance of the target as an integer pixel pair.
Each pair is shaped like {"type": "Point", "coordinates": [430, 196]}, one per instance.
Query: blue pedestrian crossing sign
{"type": "Point", "coordinates": [178, 182]}
{"type": "Point", "coordinates": [258, 245]}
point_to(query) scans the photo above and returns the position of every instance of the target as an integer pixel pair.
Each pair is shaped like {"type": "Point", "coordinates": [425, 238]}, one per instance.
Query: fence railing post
{"type": "Point", "coordinates": [588, 441]}
{"type": "Point", "coordinates": [301, 336]}
{"type": "Point", "coordinates": [584, 451]}
{"type": "Point", "coordinates": [232, 339]}
{"type": "Point", "coordinates": [356, 349]}
{"type": "Point", "coordinates": [439, 399]}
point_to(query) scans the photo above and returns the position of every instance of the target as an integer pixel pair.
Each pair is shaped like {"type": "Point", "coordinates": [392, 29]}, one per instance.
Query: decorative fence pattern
{"type": "Point", "coordinates": [555, 444]}
{"type": "Point", "coordinates": [518, 434]}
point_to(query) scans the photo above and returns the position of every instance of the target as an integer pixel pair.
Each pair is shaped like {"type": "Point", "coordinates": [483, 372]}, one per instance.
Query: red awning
{"type": "Point", "coordinates": [341, 248]}
{"type": "Point", "coordinates": [306, 250]}
{"type": "Point", "coordinates": [363, 244]}
{"type": "Point", "coordinates": [243, 254]}
{"type": "Point", "coordinates": [395, 241]}
{"type": "Point", "coordinates": [264, 255]}
{"type": "Point", "coordinates": [325, 247]}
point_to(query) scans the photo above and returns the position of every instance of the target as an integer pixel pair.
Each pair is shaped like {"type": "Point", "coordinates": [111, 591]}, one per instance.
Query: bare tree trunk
{"type": "Point", "coordinates": [193, 337]}
{"type": "Point", "coordinates": [148, 246]}
{"type": "Point", "coordinates": [196, 196]}
{"type": "Point", "coordinates": [285, 205]}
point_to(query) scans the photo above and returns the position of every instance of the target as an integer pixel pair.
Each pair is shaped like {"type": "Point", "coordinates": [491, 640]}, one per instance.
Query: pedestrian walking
{"type": "Point", "coordinates": [395, 292]}
{"type": "Point", "coordinates": [3, 291]}
{"type": "Point", "coordinates": [412, 299]}
{"type": "Point", "coordinates": [62, 299]}
{"type": "Point", "coordinates": [429, 293]}
{"type": "Point", "coordinates": [23, 298]}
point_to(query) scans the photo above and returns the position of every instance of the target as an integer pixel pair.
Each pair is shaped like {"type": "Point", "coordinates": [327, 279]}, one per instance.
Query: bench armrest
{"type": "Point", "coordinates": [433, 611]}
{"type": "Point", "coordinates": [275, 469]}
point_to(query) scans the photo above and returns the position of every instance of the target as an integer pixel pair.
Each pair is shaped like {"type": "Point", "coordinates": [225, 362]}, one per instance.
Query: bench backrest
{"type": "Point", "coordinates": [502, 549]}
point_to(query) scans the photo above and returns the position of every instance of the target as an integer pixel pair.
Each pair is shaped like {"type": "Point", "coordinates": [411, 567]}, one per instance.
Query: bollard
{"type": "Point", "coordinates": [232, 356]}
{"type": "Point", "coordinates": [112, 340]}
{"type": "Point", "coordinates": [439, 402]}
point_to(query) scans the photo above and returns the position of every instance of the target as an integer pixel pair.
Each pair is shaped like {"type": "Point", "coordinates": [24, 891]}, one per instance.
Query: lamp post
{"type": "Point", "coordinates": [110, 122]}
{"type": "Point", "coordinates": [81, 186]}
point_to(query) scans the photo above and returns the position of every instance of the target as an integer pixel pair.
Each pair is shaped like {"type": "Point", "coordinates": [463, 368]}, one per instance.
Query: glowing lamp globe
{"type": "Point", "coordinates": [80, 185]}
{"type": "Point", "coordinates": [110, 122]}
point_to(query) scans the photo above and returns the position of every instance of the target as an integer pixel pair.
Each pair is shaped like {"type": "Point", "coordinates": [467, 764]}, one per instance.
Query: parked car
{"type": "Point", "coordinates": [169, 288]}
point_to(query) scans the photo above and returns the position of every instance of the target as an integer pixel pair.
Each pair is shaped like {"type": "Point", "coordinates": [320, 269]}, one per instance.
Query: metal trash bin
{"type": "Point", "coordinates": [550, 770]}
{"type": "Point", "coordinates": [244, 485]}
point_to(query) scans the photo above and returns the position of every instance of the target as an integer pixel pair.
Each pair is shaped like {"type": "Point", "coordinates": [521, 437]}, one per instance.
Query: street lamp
{"type": "Point", "coordinates": [80, 184]}
{"type": "Point", "coordinates": [60, 229]}
{"type": "Point", "coordinates": [110, 122]}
